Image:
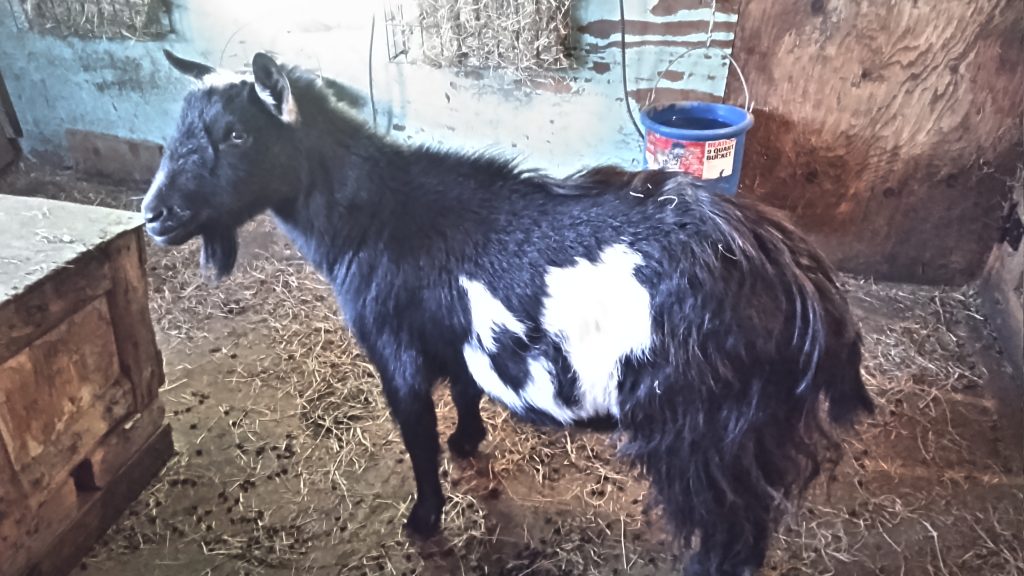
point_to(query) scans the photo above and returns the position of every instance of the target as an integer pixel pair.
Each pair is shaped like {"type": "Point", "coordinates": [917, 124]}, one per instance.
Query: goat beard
{"type": "Point", "coordinates": [220, 251]}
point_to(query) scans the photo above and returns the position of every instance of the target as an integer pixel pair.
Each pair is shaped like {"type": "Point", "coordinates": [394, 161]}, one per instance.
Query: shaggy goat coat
{"type": "Point", "coordinates": [703, 327]}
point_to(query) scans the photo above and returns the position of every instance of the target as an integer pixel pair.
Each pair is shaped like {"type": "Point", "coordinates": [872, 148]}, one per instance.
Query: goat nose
{"type": "Point", "coordinates": [154, 215]}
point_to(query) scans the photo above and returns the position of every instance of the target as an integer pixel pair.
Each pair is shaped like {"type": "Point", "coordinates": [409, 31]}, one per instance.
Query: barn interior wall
{"type": "Point", "coordinates": [559, 121]}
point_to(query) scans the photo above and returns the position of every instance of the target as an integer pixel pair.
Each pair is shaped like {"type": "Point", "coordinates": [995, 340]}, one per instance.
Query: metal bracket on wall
{"type": "Point", "coordinates": [397, 30]}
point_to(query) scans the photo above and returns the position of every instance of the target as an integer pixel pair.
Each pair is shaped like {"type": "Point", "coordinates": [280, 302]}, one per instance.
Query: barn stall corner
{"type": "Point", "coordinates": [189, 383]}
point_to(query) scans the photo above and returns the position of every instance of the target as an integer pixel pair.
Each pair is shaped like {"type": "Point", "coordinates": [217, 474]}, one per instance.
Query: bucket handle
{"type": "Point", "coordinates": [747, 105]}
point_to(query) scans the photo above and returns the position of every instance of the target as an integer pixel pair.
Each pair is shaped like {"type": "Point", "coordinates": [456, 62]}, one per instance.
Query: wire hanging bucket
{"type": "Point", "coordinates": [703, 139]}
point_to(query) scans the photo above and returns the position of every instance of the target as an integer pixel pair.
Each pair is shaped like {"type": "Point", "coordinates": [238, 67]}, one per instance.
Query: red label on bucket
{"type": "Point", "coordinates": [705, 160]}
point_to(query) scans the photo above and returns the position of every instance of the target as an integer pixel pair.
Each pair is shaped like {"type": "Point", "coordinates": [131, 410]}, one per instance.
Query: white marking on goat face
{"type": "Point", "coordinates": [221, 78]}
{"type": "Point", "coordinates": [601, 314]}
{"type": "Point", "coordinates": [154, 187]}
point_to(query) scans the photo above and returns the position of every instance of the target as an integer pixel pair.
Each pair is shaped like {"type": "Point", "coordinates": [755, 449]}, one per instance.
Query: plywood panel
{"type": "Point", "coordinates": [887, 129]}
{"type": "Point", "coordinates": [61, 395]}
{"type": "Point", "coordinates": [65, 292]}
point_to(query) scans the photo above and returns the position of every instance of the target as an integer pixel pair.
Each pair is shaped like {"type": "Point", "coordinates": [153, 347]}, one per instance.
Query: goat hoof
{"type": "Point", "coordinates": [465, 445]}
{"type": "Point", "coordinates": [424, 521]}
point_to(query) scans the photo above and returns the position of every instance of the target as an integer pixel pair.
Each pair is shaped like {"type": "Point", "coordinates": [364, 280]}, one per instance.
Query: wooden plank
{"type": "Point", "coordinates": [109, 157]}
{"type": "Point", "coordinates": [1000, 292]}
{"type": "Point", "coordinates": [887, 130]}
{"type": "Point", "coordinates": [25, 319]}
{"type": "Point", "coordinates": [124, 441]}
{"type": "Point", "coordinates": [98, 511]}
{"type": "Point", "coordinates": [1002, 285]}
{"type": "Point", "coordinates": [1004, 381]}
{"type": "Point", "coordinates": [140, 358]}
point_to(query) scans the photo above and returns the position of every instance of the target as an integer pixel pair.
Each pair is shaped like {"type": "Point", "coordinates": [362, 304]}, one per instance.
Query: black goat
{"type": "Point", "coordinates": [703, 327]}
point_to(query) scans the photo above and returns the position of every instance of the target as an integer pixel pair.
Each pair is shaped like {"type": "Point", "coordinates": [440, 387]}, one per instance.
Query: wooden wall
{"type": "Point", "coordinates": [888, 129]}
{"type": "Point", "coordinates": [1002, 285]}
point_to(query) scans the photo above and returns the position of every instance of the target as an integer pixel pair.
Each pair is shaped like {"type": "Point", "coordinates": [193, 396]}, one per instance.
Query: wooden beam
{"type": "Point", "coordinates": [140, 358]}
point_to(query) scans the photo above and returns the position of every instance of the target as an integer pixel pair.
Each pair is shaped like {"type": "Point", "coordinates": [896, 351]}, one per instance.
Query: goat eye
{"type": "Point", "coordinates": [238, 136]}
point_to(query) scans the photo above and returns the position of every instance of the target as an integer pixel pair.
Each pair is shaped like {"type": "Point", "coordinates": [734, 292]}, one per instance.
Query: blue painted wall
{"type": "Point", "coordinates": [560, 123]}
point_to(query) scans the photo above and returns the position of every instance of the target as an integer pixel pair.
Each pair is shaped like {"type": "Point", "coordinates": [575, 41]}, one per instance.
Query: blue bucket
{"type": "Point", "coordinates": [703, 139]}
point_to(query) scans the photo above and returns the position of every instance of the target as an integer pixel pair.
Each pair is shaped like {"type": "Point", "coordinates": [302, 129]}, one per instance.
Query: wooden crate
{"type": "Point", "coordinates": [82, 428]}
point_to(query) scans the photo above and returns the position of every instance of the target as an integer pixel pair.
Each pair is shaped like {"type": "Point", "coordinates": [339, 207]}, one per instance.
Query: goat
{"type": "Point", "coordinates": [702, 327]}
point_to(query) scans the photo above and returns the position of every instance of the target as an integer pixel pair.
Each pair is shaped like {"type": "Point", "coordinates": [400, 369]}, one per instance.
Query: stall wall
{"type": "Point", "coordinates": [889, 130]}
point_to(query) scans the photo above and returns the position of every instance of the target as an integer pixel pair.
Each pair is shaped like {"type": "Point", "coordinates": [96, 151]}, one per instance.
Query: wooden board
{"type": "Point", "coordinates": [887, 130]}
{"type": "Point", "coordinates": [108, 157]}
{"type": "Point", "coordinates": [1002, 287]}
{"type": "Point", "coordinates": [64, 292]}
{"type": "Point", "coordinates": [1002, 302]}
{"type": "Point", "coordinates": [141, 361]}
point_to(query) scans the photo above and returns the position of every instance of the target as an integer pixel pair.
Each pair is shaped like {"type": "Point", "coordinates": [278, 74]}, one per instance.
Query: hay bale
{"type": "Point", "coordinates": [507, 34]}
{"type": "Point", "coordinates": [138, 19]}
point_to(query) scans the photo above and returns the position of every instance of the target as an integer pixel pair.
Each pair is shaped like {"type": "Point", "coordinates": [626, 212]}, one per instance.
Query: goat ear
{"type": "Point", "coordinates": [273, 87]}
{"type": "Point", "coordinates": [190, 68]}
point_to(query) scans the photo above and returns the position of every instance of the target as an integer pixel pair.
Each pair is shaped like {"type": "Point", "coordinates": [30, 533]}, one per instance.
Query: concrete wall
{"type": "Point", "coordinates": [559, 122]}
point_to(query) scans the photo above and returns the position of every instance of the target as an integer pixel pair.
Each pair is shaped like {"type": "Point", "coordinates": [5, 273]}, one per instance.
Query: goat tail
{"type": "Point", "coordinates": [724, 415]}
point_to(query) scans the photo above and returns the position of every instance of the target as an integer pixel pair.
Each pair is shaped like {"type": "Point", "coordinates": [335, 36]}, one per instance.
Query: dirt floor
{"type": "Point", "coordinates": [287, 462]}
